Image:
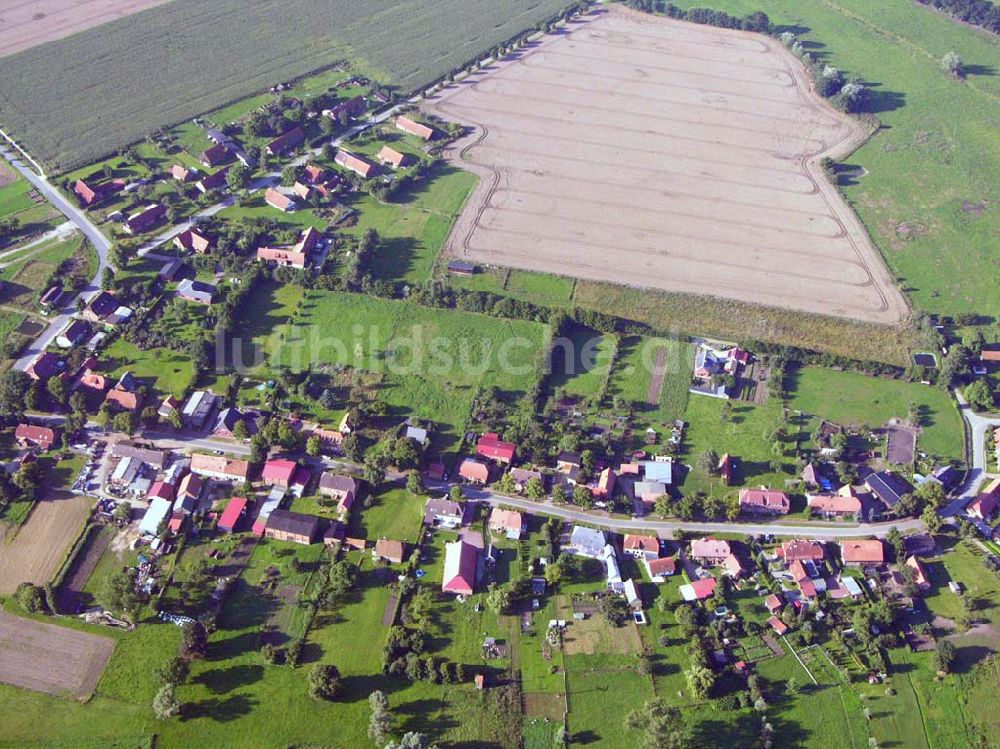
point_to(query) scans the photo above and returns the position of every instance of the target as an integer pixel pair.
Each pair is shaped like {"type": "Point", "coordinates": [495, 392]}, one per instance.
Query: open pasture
{"type": "Point", "coordinates": [52, 659]}
{"type": "Point", "coordinates": [657, 153]}
{"type": "Point", "coordinates": [80, 98]}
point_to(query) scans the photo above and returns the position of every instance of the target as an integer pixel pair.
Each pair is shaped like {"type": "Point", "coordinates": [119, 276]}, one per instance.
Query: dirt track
{"type": "Point", "coordinates": [27, 23]}
{"type": "Point", "coordinates": [657, 153]}
{"type": "Point", "coordinates": [48, 658]}
{"type": "Point", "coordinates": [33, 552]}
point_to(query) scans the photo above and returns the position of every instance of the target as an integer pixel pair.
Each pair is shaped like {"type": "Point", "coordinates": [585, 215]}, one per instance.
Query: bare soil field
{"type": "Point", "coordinates": [33, 552]}
{"type": "Point", "coordinates": [49, 658]}
{"type": "Point", "coordinates": [656, 153]}
{"type": "Point", "coordinates": [27, 23]}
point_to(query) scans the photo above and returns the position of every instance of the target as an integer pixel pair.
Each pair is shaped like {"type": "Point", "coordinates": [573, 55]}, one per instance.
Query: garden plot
{"type": "Point", "coordinates": [651, 152]}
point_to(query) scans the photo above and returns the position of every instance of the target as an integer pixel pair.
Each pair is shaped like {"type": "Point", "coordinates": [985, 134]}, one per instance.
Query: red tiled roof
{"type": "Point", "coordinates": [124, 399]}
{"type": "Point", "coordinates": [278, 200]}
{"type": "Point", "coordinates": [279, 470]}
{"type": "Point", "coordinates": [392, 156]}
{"type": "Point", "coordinates": [703, 588]}
{"type": "Point", "coordinates": [777, 625]}
{"type": "Point", "coordinates": [287, 141]}
{"type": "Point", "coordinates": [662, 566]}
{"type": "Point", "coordinates": [414, 128]}
{"type": "Point", "coordinates": [640, 543]}
{"type": "Point", "coordinates": [42, 436]}
{"type": "Point", "coordinates": [162, 490]}
{"type": "Point", "coordinates": [231, 515]}
{"type": "Point", "coordinates": [773, 603]}
{"type": "Point", "coordinates": [764, 500]}
{"type": "Point", "coordinates": [799, 549]}
{"type": "Point", "coordinates": [490, 446]}
{"type": "Point", "coordinates": [863, 551]}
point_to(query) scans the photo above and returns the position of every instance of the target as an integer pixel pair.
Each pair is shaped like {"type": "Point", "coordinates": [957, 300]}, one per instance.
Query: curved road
{"type": "Point", "coordinates": [91, 232]}
{"type": "Point", "coordinates": [978, 425]}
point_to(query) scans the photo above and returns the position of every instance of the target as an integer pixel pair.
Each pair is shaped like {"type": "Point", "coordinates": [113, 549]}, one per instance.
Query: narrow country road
{"type": "Point", "coordinates": [91, 232]}
{"type": "Point", "coordinates": [978, 426]}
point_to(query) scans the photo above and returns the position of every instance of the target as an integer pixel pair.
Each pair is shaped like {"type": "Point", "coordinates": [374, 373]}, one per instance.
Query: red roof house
{"type": "Point", "coordinates": [279, 200]}
{"type": "Point", "coordinates": [279, 471]}
{"type": "Point", "coordinates": [192, 239]}
{"type": "Point", "coordinates": [773, 604]}
{"type": "Point", "coordinates": [862, 552]}
{"type": "Point", "coordinates": [414, 128]}
{"type": "Point", "coordinates": [217, 154]}
{"type": "Point", "coordinates": [161, 490]}
{"type": "Point", "coordinates": [283, 143]}
{"type": "Point", "coordinates": [29, 435]}
{"type": "Point", "coordinates": [777, 625]}
{"type": "Point", "coordinates": [490, 446]}
{"type": "Point", "coordinates": [768, 501]}
{"type": "Point", "coordinates": [474, 472]}
{"type": "Point", "coordinates": [362, 167]}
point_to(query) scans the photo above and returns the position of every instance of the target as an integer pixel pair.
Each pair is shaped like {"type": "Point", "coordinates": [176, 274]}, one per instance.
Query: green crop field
{"type": "Point", "coordinates": [633, 375]}
{"type": "Point", "coordinates": [938, 155]}
{"type": "Point", "coordinates": [850, 398]}
{"type": "Point", "coordinates": [70, 102]}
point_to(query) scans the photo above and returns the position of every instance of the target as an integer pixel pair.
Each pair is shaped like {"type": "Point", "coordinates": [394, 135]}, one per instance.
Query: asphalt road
{"type": "Point", "coordinates": [80, 220]}
{"type": "Point", "coordinates": [978, 425]}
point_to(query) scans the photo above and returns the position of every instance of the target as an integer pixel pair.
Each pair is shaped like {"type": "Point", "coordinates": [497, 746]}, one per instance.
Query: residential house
{"type": "Point", "coordinates": [233, 512]}
{"type": "Point", "coordinates": [215, 181]}
{"type": "Point", "coordinates": [985, 505]}
{"type": "Point", "coordinates": [392, 157]}
{"type": "Point", "coordinates": [661, 470]}
{"type": "Point", "coordinates": [196, 291]}
{"type": "Point", "coordinates": [586, 542]}
{"type": "Point", "coordinates": [169, 405]}
{"type": "Point", "coordinates": [648, 492]}
{"type": "Point", "coordinates": [779, 627]}
{"type": "Point", "coordinates": [800, 550]}
{"type": "Point", "coordinates": [120, 399]}
{"type": "Point", "coordinates": [508, 522]}
{"type": "Point", "coordinates": [344, 489]}
{"type": "Point", "coordinates": [348, 108]}
{"type": "Point", "coordinates": [660, 569]}
{"type": "Point", "coordinates": [443, 513]}
{"type": "Point", "coordinates": [360, 166]}
{"type": "Point", "coordinates": [314, 174]}
{"type": "Point", "coordinates": [734, 567]}
{"type": "Point", "coordinates": [144, 220]}
{"type": "Point", "coordinates": [862, 553]}
{"type": "Point", "coordinates": [389, 551]}
{"type": "Point", "coordinates": [188, 493]}
{"type": "Point", "coordinates": [301, 190]}
{"type": "Point", "coordinates": [491, 447]}
{"type": "Point", "coordinates": [91, 194]}
{"type": "Point", "coordinates": [161, 490]}
{"type": "Point", "coordinates": [641, 547]}
{"type": "Point", "coordinates": [279, 471]}
{"type": "Point", "coordinates": [286, 142]}
{"type": "Point", "coordinates": [834, 505]}
{"type": "Point", "coordinates": [710, 551]}
{"type": "Point", "coordinates": [228, 419]}
{"type": "Point", "coordinates": [215, 155]}
{"type": "Point", "coordinates": [193, 239]}
{"type": "Point", "coordinates": [101, 307]}
{"type": "Point", "coordinates": [698, 590]}
{"type": "Point", "coordinates": [522, 476]}
{"type": "Point", "coordinates": [285, 525]}
{"type": "Point", "coordinates": [567, 461]}
{"type": "Point", "coordinates": [774, 603]}
{"type": "Point", "coordinates": [474, 472]}
{"type": "Point", "coordinates": [605, 484]}
{"type": "Point", "coordinates": [764, 501]}
{"type": "Point", "coordinates": [29, 435]}
{"type": "Point", "coordinates": [220, 467]}
{"type": "Point", "coordinates": [151, 456]}
{"type": "Point", "coordinates": [414, 128]}
{"type": "Point", "coordinates": [460, 562]}
{"type": "Point", "coordinates": [46, 365]}
{"type": "Point", "coordinates": [277, 199]}
{"type": "Point", "coordinates": [296, 255]}
{"type": "Point", "coordinates": [182, 173]}
{"type": "Point", "coordinates": [811, 475]}
{"type": "Point", "coordinates": [75, 333]}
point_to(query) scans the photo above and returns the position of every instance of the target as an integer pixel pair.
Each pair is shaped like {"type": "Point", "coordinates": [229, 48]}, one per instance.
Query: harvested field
{"type": "Point", "coordinates": [52, 659]}
{"type": "Point", "coordinates": [26, 24]}
{"type": "Point", "coordinates": [34, 551]}
{"type": "Point", "coordinates": [652, 152]}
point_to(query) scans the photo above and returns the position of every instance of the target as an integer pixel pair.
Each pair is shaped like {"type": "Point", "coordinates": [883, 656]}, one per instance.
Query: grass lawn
{"type": "Point", "coordinates": [391, 513]}
{"type": "Point", "coordinates": [167, 371]}
{"type": "Point", "coordinates": [599, 702]}
{"type": "Point", "coordinates": [432, 361]}
{"type": "Point", "coordinates": [744, 437]}
{"type": "Point", "coordinates": [581, 366]}
{"type": "Point", "coordinates": [542, 288]}
{"type": "Point", "coordinates": [850, 398]}
{"type": "Point", "coordinates": [414, 227]}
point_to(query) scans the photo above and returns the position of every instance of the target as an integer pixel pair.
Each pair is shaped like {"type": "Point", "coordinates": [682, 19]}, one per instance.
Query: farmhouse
{"type": "Point", "coordinates": [509, 522]}
{"type": "Point", "coordinates": [460, 561]}
{"type": "Point", "coordinates": [887, 487]}
{"type": "Point", "coordinates": [277, 199]}
{"type": "Point", "coordinates": [474, 472]}
{"type": "Point", "coordinates": [764, 501]}
{"type": "Point", "coordinates": [443, 513]}
{"type": "Point", "coordinates": [414, 128]}
{"type": "Point", "coordinates": [287, 142]}
{"type": "Point", "coordinates": [232, 514]}
{"type": "Point", "coordinates": [196, 291]}
{"type": "Point", "coordinates": [145, 219]}
{"type": "Point", "coordinates": [285, 525]}
{"type": "Point", "coordinates": [392, 157]}
{"type": "Point", "coordinates": [344, 489]}
{"type": "Point", "coordinates": [862, 553]}
{"type": "Point", "coordinates": [389, 551]}
{"type": "Point", "coordinates": [348, 108]}
{"type": "Point", "coordinates": [490, 446]}
{"type": "Point", "coordinates": [605, 484]}
{"type": "Point", "coordinates": [660, 569]}
{"type": "Point", "coordinates": [220, 467]}
{"type": "Point", "coordinates": [28, 435]}
{"type": "Point", "coordinates": [362, 167]}
{"type": "Point", "coordinates": [641, 547]}
{"type": "Point", "coordinates": [92, 194]}
{"type": "Point", "coordinates": [215, 155]}
{"type": "Point", "coordinates": [279, 471]}
{"type": "Point", "coordinates": [293, 256]}
{"type": "Point", "coordinates": [710, 550]}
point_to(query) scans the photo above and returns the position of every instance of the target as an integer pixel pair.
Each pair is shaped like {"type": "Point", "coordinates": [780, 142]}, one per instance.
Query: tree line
{"type": "Point", "coordinates": [980, 13]}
